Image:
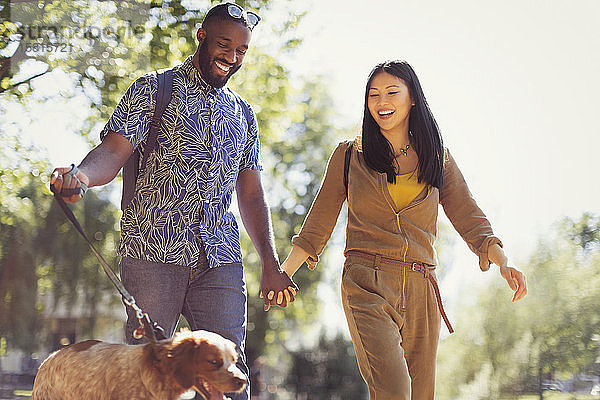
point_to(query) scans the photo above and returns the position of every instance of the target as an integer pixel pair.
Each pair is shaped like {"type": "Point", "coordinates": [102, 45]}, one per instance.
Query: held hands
{"type": "Point", "coordinates": [275, 280]}
{"type": "Point", "coordinates": [292, 263]}
{"type": "Point", "coordinates": [70, 182]}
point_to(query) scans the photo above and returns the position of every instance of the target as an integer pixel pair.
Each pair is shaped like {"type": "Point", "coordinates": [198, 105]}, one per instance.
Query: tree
{"type": "Point", "coordinates": [506, 349]}
{"type": "Point", "coordinates": [295, 146]}
{"type": "Point", "coordinates": [39, 252]}
{"type": "Point", "coordinates": [109, 45]}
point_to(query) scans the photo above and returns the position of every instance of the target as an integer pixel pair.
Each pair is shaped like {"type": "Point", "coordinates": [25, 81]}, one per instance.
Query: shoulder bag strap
{"type": "Point", "coordinates": [347, 156]}
{"type": "Point", "coordinates": [163, 97]}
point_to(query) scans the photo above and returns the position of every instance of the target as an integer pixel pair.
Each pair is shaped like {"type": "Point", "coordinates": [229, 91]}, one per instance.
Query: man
{"type": "Point", "coordinates": [179, 242]}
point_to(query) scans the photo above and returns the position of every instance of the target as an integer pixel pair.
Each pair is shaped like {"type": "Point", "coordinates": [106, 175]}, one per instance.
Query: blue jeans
{"type": "Point", "coordinates": [212, 299]}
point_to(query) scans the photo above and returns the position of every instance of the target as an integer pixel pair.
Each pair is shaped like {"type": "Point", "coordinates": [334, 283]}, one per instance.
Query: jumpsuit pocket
{"type": "Point", "coordinates": [369, 285]}
{"type": "Point", "coordinates": [362, 282]}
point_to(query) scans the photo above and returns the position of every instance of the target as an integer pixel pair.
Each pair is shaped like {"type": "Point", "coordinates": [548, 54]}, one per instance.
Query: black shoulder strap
{"type": "Point", "coordinates": [347, 156]}
{"type": "Point", "coordinates": [131, 167]}
{"type": "Point", "coordinates": [163, 97]}
{"type": "Point", "coordinates": [244, 106]}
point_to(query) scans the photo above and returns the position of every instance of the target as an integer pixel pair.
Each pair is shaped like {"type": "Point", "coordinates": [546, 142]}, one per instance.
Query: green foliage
{"type": "Point", "coordinates": [506, 349]}
{"type": "Point", "coordinates": [105, 45]}
{"type": "Point", "coordinates": [296, 138]}
{"type": "Point", "coordinates": [585, 232]}
{"type": "Point", "coordinates": [117, 42]}
{"type": "Point", "coordinates": [41, 256]}
{"type": "Point", "coordinates": [19, 316]}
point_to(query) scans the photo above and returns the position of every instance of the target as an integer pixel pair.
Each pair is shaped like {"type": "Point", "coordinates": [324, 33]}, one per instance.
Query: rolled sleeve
{"type": "Point", "coordinates": [482, 253]}
{"type": "Point", "coordinates": [131, 118]}
{"type": "Point", "coordinates": [298, 240]}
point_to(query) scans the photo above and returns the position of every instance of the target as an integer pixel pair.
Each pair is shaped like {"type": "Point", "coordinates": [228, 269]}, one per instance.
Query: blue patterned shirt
{"type": "Point", "coordinates": [183, 195]}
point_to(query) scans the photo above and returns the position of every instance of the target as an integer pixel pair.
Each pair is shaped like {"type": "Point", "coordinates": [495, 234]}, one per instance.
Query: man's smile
{"type": "Point", "coordinates": [222, 67]}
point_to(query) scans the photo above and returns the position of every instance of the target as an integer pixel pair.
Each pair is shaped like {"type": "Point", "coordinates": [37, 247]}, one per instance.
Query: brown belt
{"type": "Point", "coordinates": [425, 269]}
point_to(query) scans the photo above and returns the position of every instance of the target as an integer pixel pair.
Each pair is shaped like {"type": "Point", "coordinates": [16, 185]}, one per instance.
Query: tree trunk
{"type": "Point", "coordinates": [540, 380]}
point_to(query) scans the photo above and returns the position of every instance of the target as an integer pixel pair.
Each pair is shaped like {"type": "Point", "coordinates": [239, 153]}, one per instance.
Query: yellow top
{"type": "Point", "coordinates": [405, 189]}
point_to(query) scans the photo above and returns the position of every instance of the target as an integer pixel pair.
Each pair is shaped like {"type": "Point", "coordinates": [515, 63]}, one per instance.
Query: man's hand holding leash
{"type": "Point", "coordinates": [70, 182]}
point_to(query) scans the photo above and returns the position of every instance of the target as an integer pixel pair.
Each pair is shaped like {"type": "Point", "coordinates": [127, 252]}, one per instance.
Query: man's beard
{"type": "Point", "coordinates": [206, 68]}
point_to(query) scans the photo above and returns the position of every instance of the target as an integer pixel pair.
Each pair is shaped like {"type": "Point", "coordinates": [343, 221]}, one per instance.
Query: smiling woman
{"type": "Point", "coordinates": [394, 177]}
{"type": "Point", "coordinates": [389, 102]}
{"type": "Point", "coordinates": [400, 134]}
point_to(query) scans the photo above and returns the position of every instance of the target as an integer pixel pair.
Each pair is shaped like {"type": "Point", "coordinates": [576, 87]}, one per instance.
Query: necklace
{"type": "Point", "coordinates": [403, 151]}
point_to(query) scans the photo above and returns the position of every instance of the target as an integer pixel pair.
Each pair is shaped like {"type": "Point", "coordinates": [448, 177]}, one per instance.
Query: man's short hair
{"type": "Point", "coordinates": [220, 13]}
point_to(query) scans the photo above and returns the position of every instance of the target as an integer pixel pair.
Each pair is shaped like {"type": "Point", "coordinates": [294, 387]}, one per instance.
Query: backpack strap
{"type": "Point", "coordinates": [244, 106]}
{"type": "Point", "coordinates": [131, 167]}
{"type": "Point", "coordinates": [347, 155]}
{"type": "Point", "coordinates": [163, 97]}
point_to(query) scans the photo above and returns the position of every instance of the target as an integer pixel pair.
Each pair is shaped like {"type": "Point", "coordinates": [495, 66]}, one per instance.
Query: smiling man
{"type": "Point", "coordinates": [180, 250]}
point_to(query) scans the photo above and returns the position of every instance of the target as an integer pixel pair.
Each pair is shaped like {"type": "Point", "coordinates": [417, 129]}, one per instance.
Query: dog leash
{"type": "Point", "coordinates": [148, 328]}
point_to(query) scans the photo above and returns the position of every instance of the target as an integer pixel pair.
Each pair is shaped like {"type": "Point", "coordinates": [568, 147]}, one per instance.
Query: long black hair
{"type": "Point", "coordinates": [424, 137]}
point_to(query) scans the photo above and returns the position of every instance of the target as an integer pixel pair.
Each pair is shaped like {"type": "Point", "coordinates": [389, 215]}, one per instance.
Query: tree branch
{"type": "Point", "coordinates": [2, 90]}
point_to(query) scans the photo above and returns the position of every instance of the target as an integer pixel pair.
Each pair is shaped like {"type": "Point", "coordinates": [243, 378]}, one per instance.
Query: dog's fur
{"type": "Point", "coordinates": [201, 360]}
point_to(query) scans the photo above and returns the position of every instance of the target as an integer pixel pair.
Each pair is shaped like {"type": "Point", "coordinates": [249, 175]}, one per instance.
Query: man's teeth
{"type": "Point", "coordinates": [223, 67]}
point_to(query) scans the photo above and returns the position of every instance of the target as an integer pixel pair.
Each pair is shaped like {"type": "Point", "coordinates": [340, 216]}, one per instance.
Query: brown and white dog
{"type": "Point", "coordinates": [200, 360]}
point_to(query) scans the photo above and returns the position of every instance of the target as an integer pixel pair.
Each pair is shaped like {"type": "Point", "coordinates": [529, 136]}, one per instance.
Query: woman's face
{"type": "Point", "coordinates": [389, 102]}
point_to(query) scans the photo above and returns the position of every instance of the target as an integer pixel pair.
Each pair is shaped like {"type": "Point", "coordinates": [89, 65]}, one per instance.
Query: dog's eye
{"type": "Point", "coordinates": [215, 362]}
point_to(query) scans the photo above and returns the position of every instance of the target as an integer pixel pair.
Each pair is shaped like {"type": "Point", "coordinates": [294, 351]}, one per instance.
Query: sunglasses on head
{"type": "Point", "coordinates": [236, 11]}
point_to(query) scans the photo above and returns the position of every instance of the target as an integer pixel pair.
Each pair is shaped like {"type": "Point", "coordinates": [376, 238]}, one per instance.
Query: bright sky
{"type": "Point", "coordinates": [513, 85]}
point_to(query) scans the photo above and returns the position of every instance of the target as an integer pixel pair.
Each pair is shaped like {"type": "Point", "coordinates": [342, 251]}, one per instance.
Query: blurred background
{"type": "Point", "coordinates": [514, 87]}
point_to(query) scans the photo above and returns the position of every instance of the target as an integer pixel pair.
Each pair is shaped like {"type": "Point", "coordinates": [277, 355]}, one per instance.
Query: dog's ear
{"type": "Point", "coordinates": [182, 358]}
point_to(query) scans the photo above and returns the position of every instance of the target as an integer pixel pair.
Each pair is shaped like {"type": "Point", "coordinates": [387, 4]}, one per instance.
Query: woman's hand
{"type": "Point", "coordinates": [516, 280]}
{"type": "Point", "coordinates": [275, 280]}
{"type": "Point", "coordinates": [289, 267]}
{"type": "Point", "coordinates": [284, 297]}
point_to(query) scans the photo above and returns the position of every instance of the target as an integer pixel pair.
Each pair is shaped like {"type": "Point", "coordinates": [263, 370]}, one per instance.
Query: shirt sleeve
{"type": "Point", "coordinates": [325, 209]}
{"type": "Point", "coordinates": [464, 213]}
{"type": "Point", "coordinates": [131, 118]}
{"type": "Point", "coordinates": [250, 160]}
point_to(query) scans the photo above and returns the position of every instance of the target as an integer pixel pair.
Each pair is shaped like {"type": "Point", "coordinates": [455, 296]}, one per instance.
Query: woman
{"type": "Point", "coordinates": [398, 173]}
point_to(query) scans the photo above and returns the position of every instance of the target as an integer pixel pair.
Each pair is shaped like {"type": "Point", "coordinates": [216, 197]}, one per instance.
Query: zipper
{"type": "Point", "coordinates": [397, 213]}
{"type": "Point", "coordinates": [402, 232]}
{"type": "Point", "coordinates": [403, 306]}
